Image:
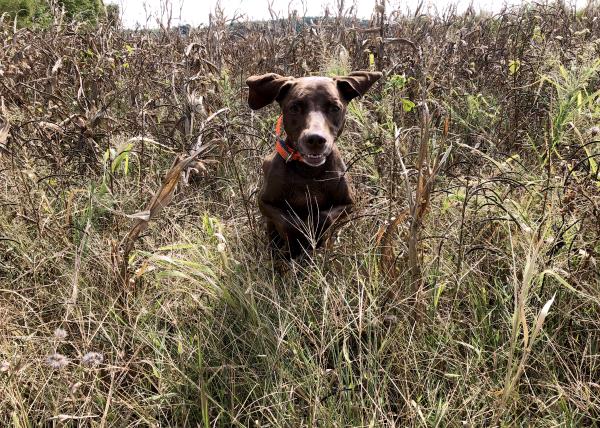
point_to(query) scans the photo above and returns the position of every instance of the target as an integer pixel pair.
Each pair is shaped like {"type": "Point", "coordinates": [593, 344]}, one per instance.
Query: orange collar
{"type": "Point", "coordinates": [286, 152]}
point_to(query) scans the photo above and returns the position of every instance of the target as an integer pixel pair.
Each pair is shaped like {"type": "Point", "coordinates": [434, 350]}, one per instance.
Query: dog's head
{"type": "Point", "coordinates": [314, 108]}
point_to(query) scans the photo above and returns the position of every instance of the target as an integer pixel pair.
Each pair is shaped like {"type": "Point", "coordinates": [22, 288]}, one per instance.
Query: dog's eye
{"type": "Point", "coordinates": [295, 108]}
{"type": "Point", "coordinates": [334, 108]}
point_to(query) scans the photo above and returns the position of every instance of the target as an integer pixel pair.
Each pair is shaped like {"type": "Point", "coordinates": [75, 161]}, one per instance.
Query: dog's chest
{"type": "Point", "coordinates": [303, 198]}
{"type": "Point", "coordinates": [305, 195]}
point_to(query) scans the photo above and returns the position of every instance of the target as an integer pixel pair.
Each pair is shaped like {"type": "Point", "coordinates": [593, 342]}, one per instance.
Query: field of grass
{"type": "Point", "coordinates": [135, 284]}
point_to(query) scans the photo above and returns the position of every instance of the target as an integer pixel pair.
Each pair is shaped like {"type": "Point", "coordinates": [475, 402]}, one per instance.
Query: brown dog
{"type": "Point", "coordinates": [305, 188]}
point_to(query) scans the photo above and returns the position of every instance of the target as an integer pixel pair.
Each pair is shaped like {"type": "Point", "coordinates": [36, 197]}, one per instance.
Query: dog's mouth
{"type": "Point", "coordinates": [314, 159]}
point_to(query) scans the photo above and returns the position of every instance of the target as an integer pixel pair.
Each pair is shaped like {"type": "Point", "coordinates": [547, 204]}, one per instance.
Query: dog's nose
{"type": "Point", "coordinates": [315, 140]}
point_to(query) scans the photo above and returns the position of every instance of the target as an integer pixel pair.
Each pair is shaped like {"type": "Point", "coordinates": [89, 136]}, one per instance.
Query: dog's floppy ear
{"type": "Point", "coordinates": [356, 84]}
{"type": "Point", "coordinates": [266, 88]}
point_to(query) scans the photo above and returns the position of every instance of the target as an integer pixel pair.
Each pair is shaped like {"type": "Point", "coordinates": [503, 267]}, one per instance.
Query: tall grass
{"type": "Point", "coordinates": [136, 288]}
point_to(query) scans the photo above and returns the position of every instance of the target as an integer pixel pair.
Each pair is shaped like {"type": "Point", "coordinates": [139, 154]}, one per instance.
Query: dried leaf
{"type": "Point", "coordinates": [384, 241]}
{"type": "Point", "coordinates": [5, 124]}
{"type": "Point", "coordinates": [142, 215]}
{"type": "Point", "coordinates": [161, 198]}
{"type": "Point", "coordinates": [53, 127]}
{"type": "Point", "coordinates": [57, 66]}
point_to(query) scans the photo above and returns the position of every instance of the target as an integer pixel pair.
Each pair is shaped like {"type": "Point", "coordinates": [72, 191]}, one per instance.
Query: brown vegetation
{"type": "Point", "coordinates": [464, 291]}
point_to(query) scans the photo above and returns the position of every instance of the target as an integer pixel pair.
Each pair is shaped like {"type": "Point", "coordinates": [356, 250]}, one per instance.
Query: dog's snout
{"type": "Point", "coordinates": [315, 140]}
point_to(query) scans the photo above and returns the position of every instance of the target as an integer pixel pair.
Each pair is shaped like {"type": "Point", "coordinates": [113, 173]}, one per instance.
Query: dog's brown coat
{"type": "Point", "coordinates": [310, 195]}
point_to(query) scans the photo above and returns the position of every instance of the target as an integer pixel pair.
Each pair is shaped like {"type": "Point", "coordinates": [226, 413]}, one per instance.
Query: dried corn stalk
{"type": "Point", "coordinates": [161, 198]}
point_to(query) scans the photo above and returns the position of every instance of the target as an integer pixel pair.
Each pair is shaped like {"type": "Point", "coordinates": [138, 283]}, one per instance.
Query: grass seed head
{"type": "Point", "coordinates": [57, 361]}
{"type": "Point", "coordinates": [92, 359]}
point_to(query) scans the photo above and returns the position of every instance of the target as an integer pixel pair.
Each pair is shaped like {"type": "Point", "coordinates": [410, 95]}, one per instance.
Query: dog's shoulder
{"type": "Point", "coordinates": [273, 166]}
{"type": "Point", "coordinates": [273, 186]}
{"type": "Point", "coordinates": [339, 180]}
{"type": "Point", "coordinates": [267, 162]}
{"type": "Point", "coordinates": [336, 161]}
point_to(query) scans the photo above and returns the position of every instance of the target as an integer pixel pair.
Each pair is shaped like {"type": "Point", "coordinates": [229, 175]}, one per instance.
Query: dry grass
{"type": "Point", "coordinates": [464, 292]}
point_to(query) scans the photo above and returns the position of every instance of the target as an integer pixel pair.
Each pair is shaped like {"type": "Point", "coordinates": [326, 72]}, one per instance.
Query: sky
{"type": "Point", "coordinates": [195, 12]}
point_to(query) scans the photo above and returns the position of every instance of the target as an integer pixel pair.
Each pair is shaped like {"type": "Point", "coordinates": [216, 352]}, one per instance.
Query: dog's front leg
{"type": "Point", "coordinates": [328, 217]}
{"type": "Point", "coordinates": [278, 219]}
{"type": "Point", "coordinates": [283, 232]}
